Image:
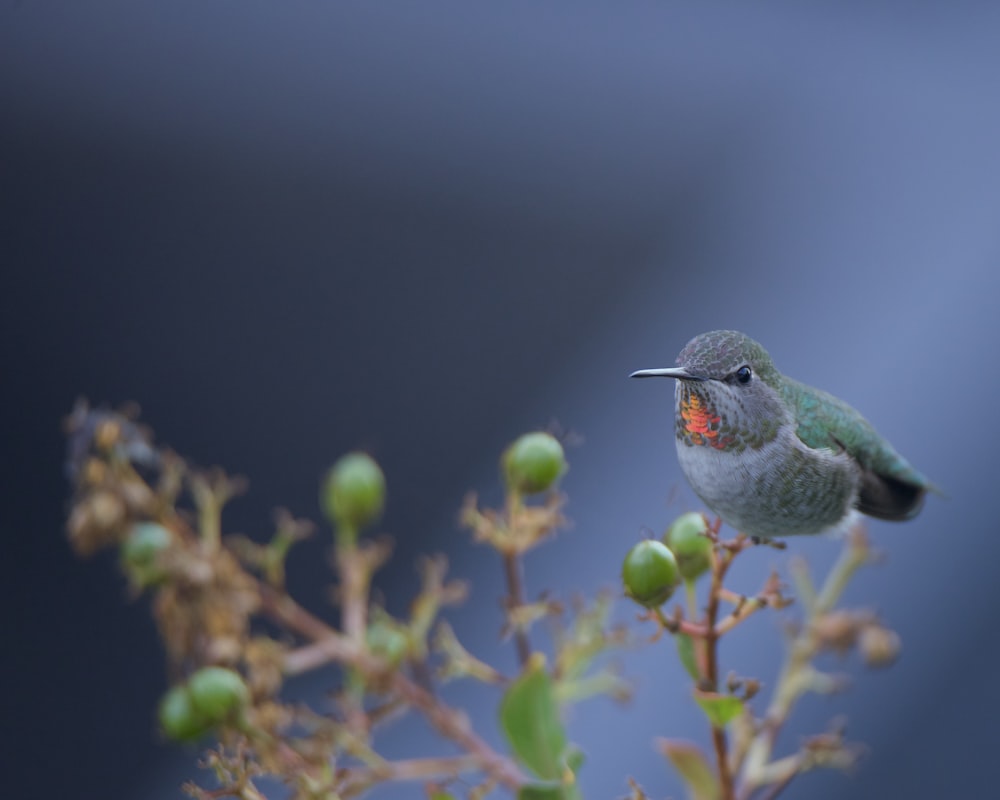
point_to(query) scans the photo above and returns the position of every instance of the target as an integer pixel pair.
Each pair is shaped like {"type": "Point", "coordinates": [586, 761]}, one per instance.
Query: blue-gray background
{"type": "Point", "coordinates": [423, 227]}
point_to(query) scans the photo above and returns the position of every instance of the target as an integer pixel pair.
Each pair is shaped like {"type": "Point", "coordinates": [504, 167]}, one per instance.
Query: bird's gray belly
{"type": "Point", "coordinates": [781, 489]}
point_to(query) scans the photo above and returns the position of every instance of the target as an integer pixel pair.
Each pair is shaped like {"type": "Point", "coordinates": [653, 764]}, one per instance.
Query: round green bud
{"type": "Point", "coordinates": [353, 491]}
{"type": "Point", "coordinates": [387, 641]}
{"type": "Point", "coordinates": [649, 573]}
{"type": "Point", "coordinates": [217, 694]}
{"type": "Point", "coordinates": [533, 463]}
{"type": "Point", "coordinates": [141, 549]}
{"type": "Point", "coordinates": [687, 541]}
{"type": "Point", "coordinates": [178, 719]}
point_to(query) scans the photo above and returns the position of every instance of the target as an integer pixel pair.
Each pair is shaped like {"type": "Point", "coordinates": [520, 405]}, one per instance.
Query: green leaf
{"type": "Point", "coordinates": [549, 791]}
{"type": "Point", "coordinates": [692, 767]}
{"type": "Point", "coordinates": [542, 791]}
{"type": "Point", "coordinates": [574, 758]}
{"type": "Point", "coordinates": [529, 716]}
{"type": "Point", "coordinates": [685, 649]}
{"type": "Point", "coordinates": [721, 709]}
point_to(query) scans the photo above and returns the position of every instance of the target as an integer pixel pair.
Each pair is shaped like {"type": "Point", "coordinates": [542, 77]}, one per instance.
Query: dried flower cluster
{"type": "Point", "coordinates": [209, 591]}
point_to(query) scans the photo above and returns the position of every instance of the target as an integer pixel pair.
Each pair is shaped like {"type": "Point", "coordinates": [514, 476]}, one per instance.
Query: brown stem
{"type": "Point", "coordinates": [281, 608]}
{"type": "Point", "coordinates": [720, 745]}
{"type": "Point", "coordinates": [411, 769]}
{"type": "Point", "coordinates": [353, 569]}
{"type": "Point", "coordinates": [711, 647]}
{"type": "Point", "coordinates": [455, 726]}
{"type": "Point", "coordinates": [720, 564]}
{"type": "Point", "coordinates": [739, 615]}
{"type": "Point", "coordinates": [315, 655]}
{"type": "Point", "coordinates": [515, 599]}
{"type": "Point", "coordinates": [793, 679]}
{"type": "Point", "coordinates": [451, 724]}
{"type": "Point", "coordinates": [513, 569]}
{"type": "Point", "coordinates": [353, 590]}
{"type": "Point", "coordinates": [677, 624]}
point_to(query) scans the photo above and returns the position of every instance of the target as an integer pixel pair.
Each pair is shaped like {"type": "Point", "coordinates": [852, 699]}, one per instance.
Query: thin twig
{"type": "Point", "coordinates": [412, 769]}
{"type": "Point", "coordinates": [283, 609]}
{"type": "Point", "coordinates": [450, 723]}
{"type": "Point", "coordinates": [455, 726]}
{"type": "Point", "coordinates": [751, 605]}
{"type": "Point", "coordinates": [515, 599]}
{"type": "Point", "coordinates": [779, 786]}
{"type": "Point", "coordinates": [353, 571]}
{"type": "Point", "coordinates": [313, 656]}
{"type": "Point", "coordinates": [795, 676]}
{"type": "Point", "coordinates": [513, 568]}
{"type": "Point", "coordinates": [677, 623]}
{"type": "Point", "coordinates": [721, 558]}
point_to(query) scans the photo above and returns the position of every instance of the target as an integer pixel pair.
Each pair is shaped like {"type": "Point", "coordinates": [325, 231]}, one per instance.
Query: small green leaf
{"type": "Point", "coordinates": [549, 791]}
{"type": "Point", "coordinates": [574, 758]}
{"type": "Point", "coordinates": [692, 767]}
{"type": "Point", "coordinates": [529, 716]}
{"type": "Point", "coordinates": [721, 709]}
{"type": "Point", "coordinates": [542, 791]}
{"type": "Point", "coordinates": [685, 649]}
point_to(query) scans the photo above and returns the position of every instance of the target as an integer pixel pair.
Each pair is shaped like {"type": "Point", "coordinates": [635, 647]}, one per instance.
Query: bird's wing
{"type": "Point", "coordinates": [890, 487]}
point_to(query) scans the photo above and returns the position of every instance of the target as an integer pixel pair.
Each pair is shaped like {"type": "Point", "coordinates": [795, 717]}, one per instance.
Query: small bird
{"type": "Point", "coordinates": [774, 457]}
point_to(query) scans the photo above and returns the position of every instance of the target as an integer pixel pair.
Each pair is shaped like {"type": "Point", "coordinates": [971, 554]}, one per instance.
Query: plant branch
{"type": "Point", "coordinates": [454, 725]}
{"type": "Point", "coordinates": [797, 675]}
{"type": "Point", "coordinates": [412, 769]}
{"type": "Point", "coordinates": [354, 574]}
{"type": "Point", "coordinates": [741, 613]}
{"type": "Point", "coordinates": [326, 641]}
{"type": "Point", "coordinates": [513, 572]}
{"type": "Point", "coordinates": [721, 559]}
{"type": "Point", "coordinates": [515, 599]}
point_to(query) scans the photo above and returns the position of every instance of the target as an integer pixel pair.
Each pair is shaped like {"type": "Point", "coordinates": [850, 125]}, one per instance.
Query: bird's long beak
{"type": "Point", "coordinates": [669, 372]}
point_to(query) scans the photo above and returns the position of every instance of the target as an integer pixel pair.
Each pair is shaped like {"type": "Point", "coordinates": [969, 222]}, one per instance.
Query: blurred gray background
{"type": "Point", "coordinates": [288, 230]}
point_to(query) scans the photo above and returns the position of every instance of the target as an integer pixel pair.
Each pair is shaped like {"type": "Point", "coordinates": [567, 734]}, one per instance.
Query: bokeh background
{"type": "Point", "coordinates": [288, 230]}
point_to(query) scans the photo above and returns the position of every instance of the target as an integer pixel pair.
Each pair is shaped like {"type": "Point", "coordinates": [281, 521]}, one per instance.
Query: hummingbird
{"type": "Point", "coordinates": [775, 457]}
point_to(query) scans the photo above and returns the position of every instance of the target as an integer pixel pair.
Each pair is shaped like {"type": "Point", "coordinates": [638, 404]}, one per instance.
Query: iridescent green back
{"type": "Point", "coordinates": [826, 421]}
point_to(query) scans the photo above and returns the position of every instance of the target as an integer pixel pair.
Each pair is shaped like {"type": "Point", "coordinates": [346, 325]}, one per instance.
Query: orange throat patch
{"type": "Point", "coordinates": [699, 421]}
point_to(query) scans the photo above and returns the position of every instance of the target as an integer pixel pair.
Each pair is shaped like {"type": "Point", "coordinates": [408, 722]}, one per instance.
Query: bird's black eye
{"type": "Point", "coordinates": [743, 374]}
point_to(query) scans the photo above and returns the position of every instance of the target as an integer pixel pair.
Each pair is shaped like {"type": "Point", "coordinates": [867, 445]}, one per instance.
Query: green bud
{"type": "Point", "coordinates": [353, 491]}
{"type": "Point", "coordinates": [217, 694]}
{"type": "Point", "coordinates": [387, 640]}
{"type": "Point", "coordinates": [178, 719]}
{"type": "Point", "coordinates": [687, 541]}
{"type": "Point", "coordinates": [140, 551]}
{"type": "Point", "coordinates": [533, 463]}
{"type": "Point", "coordinates": [649, 573]}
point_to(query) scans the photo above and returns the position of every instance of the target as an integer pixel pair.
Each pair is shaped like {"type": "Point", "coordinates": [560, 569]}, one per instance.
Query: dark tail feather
{"type": "Point", "coordinates": [889, 498]}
